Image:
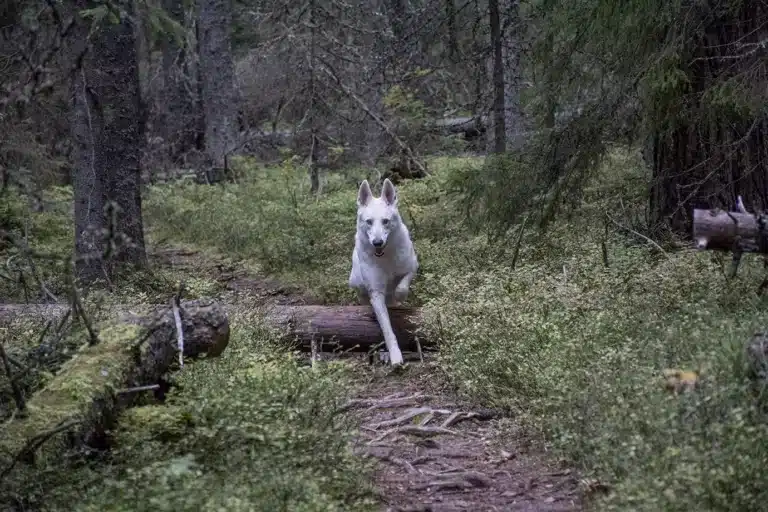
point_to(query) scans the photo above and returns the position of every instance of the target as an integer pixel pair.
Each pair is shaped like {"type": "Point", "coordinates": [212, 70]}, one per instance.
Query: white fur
{"type": "Point", "coordinates": [383, 279]}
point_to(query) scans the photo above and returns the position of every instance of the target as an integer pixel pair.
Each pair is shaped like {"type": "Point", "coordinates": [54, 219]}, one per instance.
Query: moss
{"type": "Point", "coordinates": [89, 377]}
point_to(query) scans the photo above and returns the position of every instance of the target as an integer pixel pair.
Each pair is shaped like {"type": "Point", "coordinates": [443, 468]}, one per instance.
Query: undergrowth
{"type": "Point", "coordinates": [573, 339]}
{"type": "Point", "coordinates": [251, 430]}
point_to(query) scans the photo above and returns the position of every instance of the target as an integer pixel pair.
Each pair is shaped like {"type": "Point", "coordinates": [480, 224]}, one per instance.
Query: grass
{"type": "Point", "coordinates": [573, 347]}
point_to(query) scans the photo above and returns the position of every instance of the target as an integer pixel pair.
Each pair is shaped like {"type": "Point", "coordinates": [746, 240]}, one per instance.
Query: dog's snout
{"type": "Point", "coordinates": [377, 242]}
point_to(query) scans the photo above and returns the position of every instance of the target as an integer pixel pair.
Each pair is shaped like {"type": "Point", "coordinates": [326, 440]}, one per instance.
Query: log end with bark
{"type": "Point", "coordinates": [78, 406]}
{"type": "Point", "coordinates": [345, 328]}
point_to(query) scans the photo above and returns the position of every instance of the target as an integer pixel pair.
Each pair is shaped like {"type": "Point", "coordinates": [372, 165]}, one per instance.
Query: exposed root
{"type": "Point", "coordinates": [453, 418]}
{"type": "Point", "coordinates": [396, 461]}
{"type": "Point", "coordinates": [415, 430]}
{"type": "Point", "coordinates": [385, 403]}
{"type": "Point", "coordinates": [465, 480]}
{"type": "Point", "coordinates": [405, 418]}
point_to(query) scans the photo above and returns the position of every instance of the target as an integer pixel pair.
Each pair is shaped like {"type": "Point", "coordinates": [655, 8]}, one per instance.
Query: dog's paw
{"type": "Point", "coordinates": [396, 360]}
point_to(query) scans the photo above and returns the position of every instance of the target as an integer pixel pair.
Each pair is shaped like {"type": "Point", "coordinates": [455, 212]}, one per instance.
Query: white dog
{"type": "Point", "coordinates": [383, 261]}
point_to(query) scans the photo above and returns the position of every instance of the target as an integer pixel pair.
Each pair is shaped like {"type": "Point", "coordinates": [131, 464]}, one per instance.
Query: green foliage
{"type": "Point", "coordinates": [496, 193]}
{"type": "Point", "coordinates": [270, 218]}
{"type": "Point", "coordinates": [578, 348]}
{"type": "Point", "coordinates": [403, 103]}
{"type": "Point", "coordinates": [47, 233]}
{"type": "Point", "coordinates": [251, 430]}
{"type": "Point", "coordinates": [573, 347]}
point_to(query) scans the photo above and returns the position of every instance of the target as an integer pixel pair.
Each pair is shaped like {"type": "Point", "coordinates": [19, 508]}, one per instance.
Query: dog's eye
{"type": "Point", "coordinates": [385, 221]}
{"type": "Point", "coordinates": [369, 222]}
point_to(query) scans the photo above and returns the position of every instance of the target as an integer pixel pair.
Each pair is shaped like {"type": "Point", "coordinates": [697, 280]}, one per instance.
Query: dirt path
{"type": "Point", "coordinates": [441, 455]}
{"type": "Point", "coordinates": [436, 453]}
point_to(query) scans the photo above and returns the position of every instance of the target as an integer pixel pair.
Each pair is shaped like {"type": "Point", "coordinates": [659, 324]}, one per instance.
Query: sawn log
{"type": "Point", "coordinates": [344, 328]}
{"type": "Point", "coordinates": [724, 231]}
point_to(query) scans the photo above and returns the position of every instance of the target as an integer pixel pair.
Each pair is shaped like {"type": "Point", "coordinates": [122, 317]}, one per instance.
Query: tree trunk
{"type": "Point", "coordinates": [725, 231]}
{"type": "Point", "coordinates": [217, 76]}
{"type": "Point", "coordinates": [499, 127]}
{"type": "Point", "coordinates": [107, 130]}
{"type": "Point", "coordinates": [453, 43]}
{"type": "Point", "coordinates": [182, 120]}
{"type": "Point", "coordinates": [514, 121]}
{"type": "Point", "coordinates": [352, 328]}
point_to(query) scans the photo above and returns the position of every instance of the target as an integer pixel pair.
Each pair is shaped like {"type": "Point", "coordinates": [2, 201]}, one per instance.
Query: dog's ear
{"type": "Point", "coordinates": [388, 192]}
{"type": "Point", "coordinates": [364, 194]}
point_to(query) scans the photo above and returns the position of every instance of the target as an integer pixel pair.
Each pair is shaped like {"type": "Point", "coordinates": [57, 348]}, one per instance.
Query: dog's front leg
{"type": "Point", "coordinates": [403, 287]}
{"type": "Point", "coordinates": [378, 302]}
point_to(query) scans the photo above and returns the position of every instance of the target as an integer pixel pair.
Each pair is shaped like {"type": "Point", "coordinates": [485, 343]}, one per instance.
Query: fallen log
{"type": "Point", "coordinates": [77, 407]}
{"type": "Point", "coordinates": [726, 231]}
{"type": "Point", "coordinates": [344, 328]}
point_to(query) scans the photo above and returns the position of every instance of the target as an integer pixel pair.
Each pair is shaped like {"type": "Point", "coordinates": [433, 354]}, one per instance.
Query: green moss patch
{"type": "Point", "coordinates": [89, 378]}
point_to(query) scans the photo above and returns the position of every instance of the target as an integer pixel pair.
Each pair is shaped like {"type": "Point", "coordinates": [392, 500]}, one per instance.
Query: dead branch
{"type": "Point", "coordinates": [719, 230]}
{"type": "Point", "coordinates": [465, 480]}
{"type": "Point", "coordinates": [179, 330]}
{"type": "Point", "coordinates": [640, 235]}
{"type": "Point", "coordinates": [137, 389]}
{"type": "Point", "coordinates": [389, 402]}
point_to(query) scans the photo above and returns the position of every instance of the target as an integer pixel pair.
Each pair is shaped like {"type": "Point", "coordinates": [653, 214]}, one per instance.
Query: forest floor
{"type": "Point", "coordinates": [435, 451]}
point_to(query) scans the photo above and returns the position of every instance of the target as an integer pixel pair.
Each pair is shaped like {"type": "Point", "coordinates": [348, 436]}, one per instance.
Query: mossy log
{"type": "Point", "coordinates": [77, 407]}
{"type": "Point", "coordinates": [724, 231]}
{"type": "Point", "coordinates": [344, 328]}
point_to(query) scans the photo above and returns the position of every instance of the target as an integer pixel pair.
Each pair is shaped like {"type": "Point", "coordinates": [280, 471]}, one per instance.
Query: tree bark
{"type": "Point", "coordinates": [108, 138]}
{"type": "Point", "coordinates": [217, 78]}
{"type": "Point", "coordinates": [352, 328]}
{"type": "Point", "coordinates": [499, 126]}
{"type": "Point", "coordinates": [347, 328]}
{"type": "Point", "coordinates": [453, 42]}
{"type": "Point", "coordinates": [708, 157]}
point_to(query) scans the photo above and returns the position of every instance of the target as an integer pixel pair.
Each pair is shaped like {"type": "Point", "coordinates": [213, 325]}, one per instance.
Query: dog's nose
{"type": "Point", "coordinates": [378, 242]}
